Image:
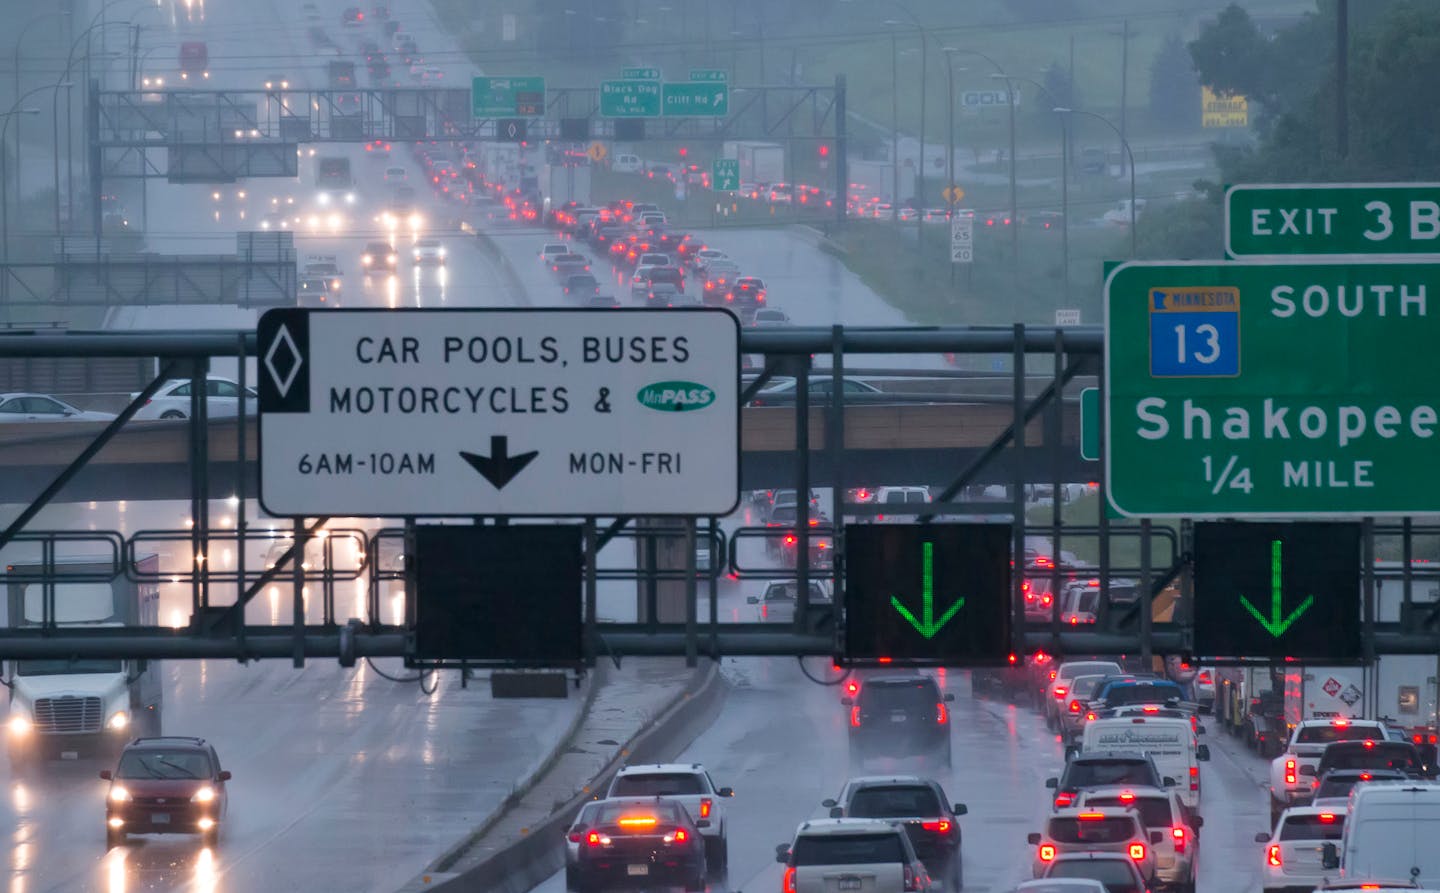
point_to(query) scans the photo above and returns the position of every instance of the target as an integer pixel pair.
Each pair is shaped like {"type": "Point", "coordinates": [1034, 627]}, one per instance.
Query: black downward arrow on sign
{"type": "Point", "coordinates": [499, 468]}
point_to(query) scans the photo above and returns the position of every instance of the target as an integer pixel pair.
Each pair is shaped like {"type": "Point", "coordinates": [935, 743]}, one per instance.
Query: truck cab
{"type": "Point", "coordinates": [194, 61]}
{"type": "Point", "coordinates": [63, 707]}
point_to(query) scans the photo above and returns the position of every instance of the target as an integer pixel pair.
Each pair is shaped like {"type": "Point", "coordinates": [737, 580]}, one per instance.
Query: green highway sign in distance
{"type": "Point", "coordinates": [725, 174]}
{"type": "Point", "coordinates": [507, 97]}
{"type": "Point", "coordinates": [708, 74]}
{"type": "Point", "coordinates": [696, 100]}
{"type": "Point", "coordinates": [1244, 390]}
{"type": "Point", "coordinates": [1277, 590]}
{"type": "Point", "coordinates": [640, 74]}
{"type": "Point", "coordinates": [1341, 219]}
{"type": "Point", "coordinates": [630, 99]}
{"type": "Point", "coordinates": [1090, 424]}
{"type": "Point", "coordinates": [927, 594]}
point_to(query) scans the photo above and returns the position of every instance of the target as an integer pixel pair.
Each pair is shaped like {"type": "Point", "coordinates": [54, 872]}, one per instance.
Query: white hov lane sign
{"type": "Point", "coordinates": [962, 240]}
{"type": "Point", "coordinates": [499, 412]}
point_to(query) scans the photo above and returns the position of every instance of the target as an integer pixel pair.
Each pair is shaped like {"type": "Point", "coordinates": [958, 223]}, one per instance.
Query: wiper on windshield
{"type": "Point", "coordinates": [183, 772]}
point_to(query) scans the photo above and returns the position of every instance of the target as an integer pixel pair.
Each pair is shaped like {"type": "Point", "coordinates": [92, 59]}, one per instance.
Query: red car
{"type": "Point", "coordinates": [167, 785]}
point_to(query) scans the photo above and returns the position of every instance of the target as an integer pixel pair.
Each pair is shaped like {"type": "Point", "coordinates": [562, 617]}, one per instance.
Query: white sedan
{"type": "Point", "coordinates": [44, 408]}
{"type": "Point", "coordinates": [172, 401]}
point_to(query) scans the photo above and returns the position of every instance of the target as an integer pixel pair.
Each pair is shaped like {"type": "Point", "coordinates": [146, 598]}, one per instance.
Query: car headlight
{"type": "Point", "coordinates": [442, 252]}
{"type": "Point", "coordinates": [366, 260]}
{"type": "Point", "coordinates": [204, 795]}
{"type": "Point", "coordinates": [349, 198]}
{"type": "Point", "coordinates": [118, 794]}
{"type": "Point", "coordinates": [20, 725]}
{"type": "Point", "coordinates": [119, 720]}
{"type": "Point", "coordinates": [324, 198]}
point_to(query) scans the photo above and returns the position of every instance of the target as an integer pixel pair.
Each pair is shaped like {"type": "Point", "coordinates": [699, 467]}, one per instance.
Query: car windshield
{"type": "Point", "coordinates": [917, 695]}
{"type": "Point", "coordinates": [62, 666]}
{"type": "Point", "coordinates": [1099, 773]}
{"type": "Point", "coordinates": [1324, 826]}
{"type": "Point", "coordinates": [1115, 874]}
{"type": "Point", "coordinates": [887, 802]}
{"type": "Point", "coordinates": [661, 784]}
{"type": "Point", "coordinates": [848, 849]}
{"type": "Point", "coordinates": [163, 763]}
{"type": "Point", "coordinates": [1329, 734]}
{"type": "Point", "coordinates": [1381, 755]}
{"type": "Point", "coordinates": [1154, 811]}
{"type": "Point", "coordinates": [617, 813]}
{"type": "Point", "coordinates": [1098, 830]}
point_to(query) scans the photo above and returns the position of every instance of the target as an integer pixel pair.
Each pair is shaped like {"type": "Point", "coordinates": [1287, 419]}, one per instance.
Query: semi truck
{"type": "Point", "coordinates": [759, 162]}
{"type": "Point", "coordinates": [194, 61]}
{"type": "Point", "coordinates": [64, 707]}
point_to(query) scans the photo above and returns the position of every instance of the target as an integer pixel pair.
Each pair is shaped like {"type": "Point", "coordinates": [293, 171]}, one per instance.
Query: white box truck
{"type": "Point", "coordinates": [1390, 835]}
{"type": "Point", "coordinates": [63, 706]}
{"type": "Point", "coordinates": [759, 162]}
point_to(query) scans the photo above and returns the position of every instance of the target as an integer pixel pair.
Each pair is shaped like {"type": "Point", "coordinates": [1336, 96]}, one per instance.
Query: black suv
{"type": "Point", "coordinates": [1396, 756]}
{"type": "Point", "coordinates": [1101, 768]}
{"type": "Point", "coordinates": [920, 805]}
{"type": "Point", "coordinates": [899, 716]}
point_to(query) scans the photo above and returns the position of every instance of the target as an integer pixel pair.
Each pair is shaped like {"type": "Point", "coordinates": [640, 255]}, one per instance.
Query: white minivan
{"type": "Point", "coordinates": [1170, 742]}
{"type": "Point", "coordinates": [1390, 833]}
{"type": "Point", "coordinates": [626, 164]}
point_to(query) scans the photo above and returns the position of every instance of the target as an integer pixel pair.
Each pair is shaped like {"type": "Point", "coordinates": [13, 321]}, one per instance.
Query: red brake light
{"type": "Point", "coordinates": [1150, 708]}
{"type": "Point", "coordinates": [681, 836]}
{"type": "Point", "coordinates": [1137, 851]}
{"type": "Point", "coordinates": [1091, 816]}
{"type": "Point", "coordinates": [1369, 743]}
{"type": "Point", "coordinates": [1052, 675]}
{"type": "Point", "coordinates": [855, 717]}
{"type": "Point", "coordinates": [1272, 855]}
{"type": "Point", "coordinates": [1327, 818]}
{"type": "Point", "coordinates": [1060, 691]}
{"type": "Point", "coordinates": [852, 687]}
{"type": "Point", "coordinates": [1063, 800]}
{"type": "Point", "coordinates": [1340, 722]}
{"type": "Point", "coordinates": [941, 826]}
{"type": "Point", "coordinates": [705, 805]}
{"type": "Point", "coordinates": [1012, 658]}
{"type": "Point", "coordinates": [1047, 853]}
{"type": "Point", "coordinates": [1126, 797]}
{"type": "Point", "coordinates": [1204, 677]}
{"type": "Point", "coordinates": [575, 836]}
{"type": "Point", "coordinates": [787, 885]}
{"type": "Point", "coordinates": [1289, 771]}
{"type": "Point", "coordinates": [1076, 707]}
{"type": "Point", "coordinates": [593, 838]}
{"type": "Point", "coordinates": [942, 715]}
{"type": "Point", "coordinates": [1178, 834]}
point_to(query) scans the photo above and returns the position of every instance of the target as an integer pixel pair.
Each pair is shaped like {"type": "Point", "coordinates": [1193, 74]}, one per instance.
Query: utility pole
{"type": "Point", "coordinates": [1342, 77]}
{"type": "Point", "coordinates": [895, 126]}
{"type": "Point", "coordinates": [1124, 83]}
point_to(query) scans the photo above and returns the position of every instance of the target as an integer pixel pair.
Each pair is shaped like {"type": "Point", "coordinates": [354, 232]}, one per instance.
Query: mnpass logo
{"type": "Point", "coordinates": [675, 396]}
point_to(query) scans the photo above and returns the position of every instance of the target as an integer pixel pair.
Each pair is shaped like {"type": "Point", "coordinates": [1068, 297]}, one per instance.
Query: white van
{"type": "Point", "coordinates": [1170, 742]}
{"type": "Point", "coordinates": [1390, 833]}
{"type": "Point", "coordinates": [626, 164]}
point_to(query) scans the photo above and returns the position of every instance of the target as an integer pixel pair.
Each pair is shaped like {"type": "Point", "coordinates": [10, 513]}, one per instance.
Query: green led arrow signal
{"type": "Point", "coordinates": [1275, 626]}
{"type": "Point", "coordinates": [928, 626]}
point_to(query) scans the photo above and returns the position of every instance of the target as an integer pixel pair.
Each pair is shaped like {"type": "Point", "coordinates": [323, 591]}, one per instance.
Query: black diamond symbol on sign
{"type": "Point", "coordinates": [283, 360]}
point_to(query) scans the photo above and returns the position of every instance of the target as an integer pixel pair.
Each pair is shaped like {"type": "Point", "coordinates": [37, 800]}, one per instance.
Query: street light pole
{"type": "Point", "coordinates": [895, 127]}
{"type": "Point", "coordinates": [1014, 199]}
{"type": "Point", "coordinates": [1064, 178]}
{"type": "Point", "coordinates": [19, 41]}
{"type": "Point", "coordinates": [1130, 156]}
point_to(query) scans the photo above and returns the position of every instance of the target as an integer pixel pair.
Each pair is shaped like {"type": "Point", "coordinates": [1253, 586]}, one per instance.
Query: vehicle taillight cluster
{"type": "Point", "coordinates": [939, 825]}
{"type": "Point", "coordinates": [855, 717]}
{"type": "Point", "coordinates": [1289, 771]}
{"type": "Point", "coordinates": [706, 804]}
{"type": "Point", "coordinates": [787, 885]}
{"type": "Point", "coordinates": [1272, 856]}
{"type": "Point", "coordinates": [942, 716]}
{"type": "Point", "coordinates": [1047, 852]}
{"type": "Point", "coordinates": [1137, 851]}
{"type": "Point", "coordinates": [1063, 800]}
{"type": "Point", "coordinates": [1178, 834]}
{"type": "Point", "coordinates": [1076, 707]}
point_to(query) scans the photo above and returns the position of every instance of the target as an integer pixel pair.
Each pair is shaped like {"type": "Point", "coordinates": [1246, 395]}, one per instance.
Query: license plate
{"type": "Point", "coordinates": [69, 754]}
{"type": "Point", "coordinates": [897, 716]}
{"type": "Point", "coordinates": [849, 883]}
{"type": "Point", "coordinates": [160, 818]}
{"type": "Point", "coordinates": [637, 870]}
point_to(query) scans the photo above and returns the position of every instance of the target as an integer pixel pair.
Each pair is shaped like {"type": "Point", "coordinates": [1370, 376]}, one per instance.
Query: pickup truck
{"type": "Point", "coordinates": [1292, 774]}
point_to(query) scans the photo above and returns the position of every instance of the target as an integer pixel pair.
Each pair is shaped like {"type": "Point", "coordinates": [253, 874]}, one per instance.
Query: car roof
{"type": "Point", "coordinates": [1109, 812]}
{"type": "Point", "coordinates": [661, 768]}
{"type": "Point", "coordinates": [878, 781]}
{"type": "Point", "coordinates": [1295, 811]}
{"type": "Point", "coordinates": [825, 827]}
{"type": "Point", "coordinates": [1115, 790]}
{"type": "Point", "coordinates": [168, 742]}
{"type": "Point", "coordinates": [1107, 755]}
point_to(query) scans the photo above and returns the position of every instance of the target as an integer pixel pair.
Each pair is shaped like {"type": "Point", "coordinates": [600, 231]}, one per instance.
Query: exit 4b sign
{"type": "Point", "coordinates": [927, 594]}
{"type": "Point", "coordinates": [1277, 590]}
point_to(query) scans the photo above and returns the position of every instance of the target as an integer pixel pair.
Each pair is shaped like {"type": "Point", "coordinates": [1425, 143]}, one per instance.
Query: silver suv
{"type": "Point", "coordinates": [851, 856]}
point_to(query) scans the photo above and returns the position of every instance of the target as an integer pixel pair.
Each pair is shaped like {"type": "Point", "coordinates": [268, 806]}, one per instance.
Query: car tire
{"type": "Point", "coordinates": [172, 414]}
{"type": "Point", "coordinates": [211, 838]}
{"type": "Point", "coordinates": [114, 838]}
{"type": "Point", "coordinates": [697, 883]}
{"type": "Point", "coordinates": [717, 855]}
{"type": "Point", "coordinates": [571, 881]}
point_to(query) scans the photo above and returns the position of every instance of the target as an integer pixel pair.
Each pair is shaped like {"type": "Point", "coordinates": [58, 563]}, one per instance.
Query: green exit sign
{"type": "Point", "coordinates": [506, 97]}
{"type": "Point", "coordinates": [1336, 220]}
{"type": "Point", "coordinates": [725, 174]}
{"type": "Point", "coordinates": [630, 99]}
{"type": "Point", "coordinates": [1272, 390]}
{"type": "Point", "coordinates": [709, 75]}
{"type": "Point", "coordinates": [1277, 590]}
{"type": "Point", "coordinates": [640, 74]}
{"type": "Point", "coordinates": [927, 594]}
{"type": "Point", "coordinates": [696, 100]}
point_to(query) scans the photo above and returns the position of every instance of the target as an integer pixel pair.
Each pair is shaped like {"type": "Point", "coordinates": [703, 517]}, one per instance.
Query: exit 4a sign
{"type": "Point", "coordinates": [927, 594]}
{"type": "Point", "coordinates": [1277, 590]}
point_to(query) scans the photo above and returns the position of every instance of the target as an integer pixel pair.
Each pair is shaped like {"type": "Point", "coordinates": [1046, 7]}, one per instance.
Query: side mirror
{"type": "Point", "coordinates": [726, 792]}
{"type": "Point", "coordinates": [782, 853]}
{"type": "Point", "coordinates": [1202, 752]}
{"type": "Point", "coordinates": [1199, 730]}
{"type": "Point", "coordinates": [1033, 838]}
{"type": "Point", "coordinates": [837, 813]}
{"type": "Point", "coordinates": [1168, 782]}
{"type": "Point", "coordinates": [1157, 837]}
{"type": "Point", "coordinates": [1329, 857]}
{"type": "Point", "coordinates": [847, 701]}
{"type": "Point", "coordinates": [949, 698]}
{"type": "Point", "coordinates": [1197, 822]}
{"type": "Point", "coordinates": [106, 774]}
{"type": "Point", "coordinates": [225, 775]}
{"type": "Point", "coordinates": [1307, 770]}
{"type": "Point", "coordinates": [1052, 783]}
{"type": "Point", "coordinates": [752, 600]}
{"type": "Point", "coordinates": [829, 803]}
{"type": "Point", "coordinates": [960, 809]}
{"type": "Point", "coordinates": [1262, 837]}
